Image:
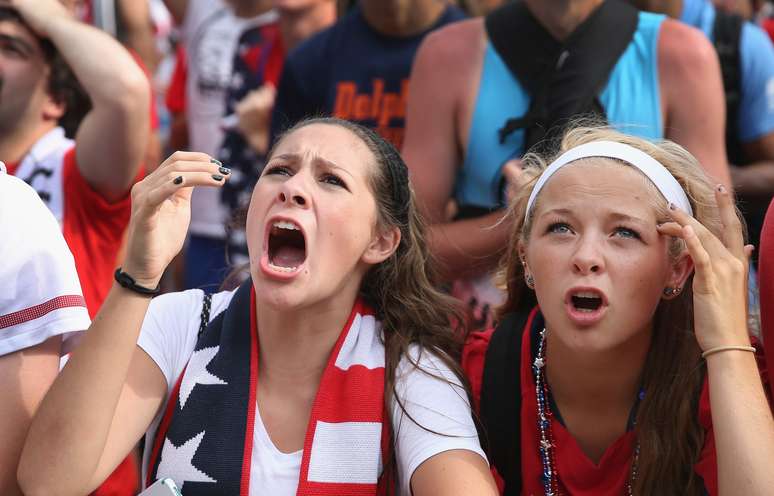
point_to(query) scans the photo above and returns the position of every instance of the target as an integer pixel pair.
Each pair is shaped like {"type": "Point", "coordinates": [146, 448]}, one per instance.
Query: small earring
{"type": "Point", "coordinates": [530, 281]}
{"type": "Point", "coordinates": [672, 291]}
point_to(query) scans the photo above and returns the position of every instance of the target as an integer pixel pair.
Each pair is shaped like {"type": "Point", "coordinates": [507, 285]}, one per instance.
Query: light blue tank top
{"type": "Point", "coordinates": [631, 100]}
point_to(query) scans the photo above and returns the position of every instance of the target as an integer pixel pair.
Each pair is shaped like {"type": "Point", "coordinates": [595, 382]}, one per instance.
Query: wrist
{"type": "Point", "coordinates": [134, 280]}
{"type": "Point", "coordinates": [739, 348]}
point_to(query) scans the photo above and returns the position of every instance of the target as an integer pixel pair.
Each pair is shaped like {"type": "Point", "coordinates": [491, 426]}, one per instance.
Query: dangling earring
{"type": "Point", "coordinates": [530, 281]}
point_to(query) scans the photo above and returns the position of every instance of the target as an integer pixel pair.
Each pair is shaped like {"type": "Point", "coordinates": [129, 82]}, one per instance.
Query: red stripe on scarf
{"type": "Point", "coordinates": [161, 432]}
{"type": "Point", "coordinates": [359, 407]}
{"type": "Point", "coordinates": [327, 407]}
{"type": "Point", "coordinates": [244, 489]}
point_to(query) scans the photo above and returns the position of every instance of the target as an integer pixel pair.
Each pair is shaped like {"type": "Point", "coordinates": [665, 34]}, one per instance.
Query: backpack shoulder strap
{"type": "Point", "coordinates": [727, 33]}
{"type": "Point", "coordinates": [501, 399]}
{"type": "Point", "coordinates": [205, 315]}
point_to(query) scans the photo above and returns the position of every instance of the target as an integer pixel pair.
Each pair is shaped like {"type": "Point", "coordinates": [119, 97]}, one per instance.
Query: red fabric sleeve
{"type": "Point", "coordinates": [93, 229]}
{"type": "Point", "coordinates": [707, 466]}
{"type": "Point", "coordinates": [473, 359]}
{"type": "Point", "coordinates": [766, 286]}
{"type": "Point", "coordinates": [11, 167]}
{"type": "Point", "coordinates": [175, 99]}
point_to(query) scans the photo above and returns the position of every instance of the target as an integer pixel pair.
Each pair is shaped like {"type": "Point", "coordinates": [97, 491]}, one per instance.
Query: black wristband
{"type": "Point", "coordinates": [128, 282]}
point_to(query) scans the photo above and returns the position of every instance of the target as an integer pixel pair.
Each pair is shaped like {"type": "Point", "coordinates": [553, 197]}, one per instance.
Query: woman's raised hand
{"type": "Point", "coordinates": [161, 212]}
{"type": "Point", "coordinates": [720, 279]}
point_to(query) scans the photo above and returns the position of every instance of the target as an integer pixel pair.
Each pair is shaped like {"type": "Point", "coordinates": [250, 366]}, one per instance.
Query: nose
{"type": "Point", "coordinates": [294, 192]}
{"type": "Point", "coordinates": [588, 257]}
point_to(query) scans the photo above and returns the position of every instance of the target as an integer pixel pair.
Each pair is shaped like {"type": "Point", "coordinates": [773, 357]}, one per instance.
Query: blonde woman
{"type": "Point", "coordinates": [636, 372]}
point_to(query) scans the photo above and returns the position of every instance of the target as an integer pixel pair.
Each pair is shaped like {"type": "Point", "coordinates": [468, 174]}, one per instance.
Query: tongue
{"type": "Point", "coordinates": [288, 256]}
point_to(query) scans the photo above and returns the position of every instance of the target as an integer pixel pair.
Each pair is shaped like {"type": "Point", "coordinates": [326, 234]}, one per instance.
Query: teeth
{"type": "Point", "coordinates": [586, 294]}
{"type": "Point", "coordinates": [282, 269]}
{"type": "Point", "coordinates": [283, 224]}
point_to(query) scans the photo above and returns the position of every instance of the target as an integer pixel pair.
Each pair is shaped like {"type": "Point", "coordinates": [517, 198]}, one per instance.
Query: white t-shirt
{"type": "Point", "coordinates": [41, 296]}
{"type": "Point", "coordinates": [169, 335]}
{"type": "Point", "coordinates": [210, 34]}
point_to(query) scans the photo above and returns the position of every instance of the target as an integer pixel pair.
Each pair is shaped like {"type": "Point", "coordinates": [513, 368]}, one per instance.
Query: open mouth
{"type": "Point", "coordinates": [287, 246]}
{"type": "Point", "coordinates": [586, 301]}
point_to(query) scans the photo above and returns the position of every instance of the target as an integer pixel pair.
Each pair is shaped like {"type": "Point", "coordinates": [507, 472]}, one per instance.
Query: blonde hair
{"type": "Point", "coordinates": [667, 425]}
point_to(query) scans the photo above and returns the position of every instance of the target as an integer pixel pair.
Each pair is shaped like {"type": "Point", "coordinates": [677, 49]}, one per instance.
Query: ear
{"type": "Point", "coordinates": [523, 257]}
{"type": "Point", "coordinates": [382, 246]}
{"type": "Point", "coordinates": [682, 268]}
{"type": "Point", "coordinates": [53, 110]}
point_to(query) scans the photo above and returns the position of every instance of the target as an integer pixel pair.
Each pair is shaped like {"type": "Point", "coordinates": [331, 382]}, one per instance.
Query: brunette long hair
{"type": "Point", "coordinates": [667, 424]}
{"type": "Point", "coordinates": [403, 289]}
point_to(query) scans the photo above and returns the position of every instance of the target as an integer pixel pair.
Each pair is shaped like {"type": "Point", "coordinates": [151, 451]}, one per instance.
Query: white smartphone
{"type": "Point", "coordinates": [162, 487]}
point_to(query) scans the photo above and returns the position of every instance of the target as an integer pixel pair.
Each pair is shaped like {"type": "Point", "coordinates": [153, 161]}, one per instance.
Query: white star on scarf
{"type": "Point", "coordinates": [176, 462]}
{"type": "Point", "coordinates": [196, 373]}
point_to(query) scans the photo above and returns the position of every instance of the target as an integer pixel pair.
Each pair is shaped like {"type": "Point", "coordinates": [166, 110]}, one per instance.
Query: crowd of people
{"type": "Point", "coordinates": [396, 247]}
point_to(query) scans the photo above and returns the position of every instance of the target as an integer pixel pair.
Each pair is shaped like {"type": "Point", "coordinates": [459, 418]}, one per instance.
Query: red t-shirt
{"type": "Point", "coordinates": [92, 226]}
{"type": "Point", "coordinates": [175, 98]}
{"type": "Point", "coordinates": [577, 474]}
{"type": "Point", "coordinates": [94, 229]}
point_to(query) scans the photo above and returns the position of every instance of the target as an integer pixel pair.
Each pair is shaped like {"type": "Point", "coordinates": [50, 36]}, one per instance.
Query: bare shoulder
{"type": "Point", "coordinates": [458, 43]}
{"type": "Point", "coordinates": [683, 49]}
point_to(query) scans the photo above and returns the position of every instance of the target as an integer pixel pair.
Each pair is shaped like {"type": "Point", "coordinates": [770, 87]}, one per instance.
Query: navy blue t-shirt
{"type": "Point", "coordinates": [353, 72]}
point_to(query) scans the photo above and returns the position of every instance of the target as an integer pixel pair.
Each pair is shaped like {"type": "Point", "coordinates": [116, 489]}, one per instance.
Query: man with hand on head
{"type": "Point", "coordinates": [47, 60]}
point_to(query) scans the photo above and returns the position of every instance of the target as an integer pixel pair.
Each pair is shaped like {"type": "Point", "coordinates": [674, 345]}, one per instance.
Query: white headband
{"type": "Point", "coordinates": [652, 168]}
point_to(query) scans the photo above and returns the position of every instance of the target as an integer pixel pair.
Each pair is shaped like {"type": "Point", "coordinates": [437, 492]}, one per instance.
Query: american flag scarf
{"type": "Point", "coordinates": [205, 439]}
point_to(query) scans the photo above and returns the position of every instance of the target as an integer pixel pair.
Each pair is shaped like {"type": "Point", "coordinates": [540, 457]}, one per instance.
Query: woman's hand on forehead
{"type": "Point", "coordinates": [720, 279]}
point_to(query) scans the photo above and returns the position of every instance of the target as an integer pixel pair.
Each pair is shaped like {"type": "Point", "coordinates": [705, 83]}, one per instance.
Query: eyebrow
{"type": "Point", "coordinates": [295, 157]}
{"type": "Point", "coordinates": [17, 43]}
{"type": "Point", "coordinates": [618, 217]}
{"type": "Point", "coordinates": [629, 218]}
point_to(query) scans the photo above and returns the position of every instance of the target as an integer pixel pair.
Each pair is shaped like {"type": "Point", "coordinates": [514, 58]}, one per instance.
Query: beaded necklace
{"type": "Point", "coordinates": [545, 416]}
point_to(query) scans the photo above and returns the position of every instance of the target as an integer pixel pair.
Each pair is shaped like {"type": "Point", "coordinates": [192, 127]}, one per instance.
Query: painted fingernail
{"type": "Point", "coordinates": [178, 180]}
{"type": "Point", "coordinates": [721, 188]}
{"type": "Point", "coordinates": [215, 161]}
{"type": "Point", "coordinates": [217, 177]}
{"type": "Point", "coordinates": [224, 170]}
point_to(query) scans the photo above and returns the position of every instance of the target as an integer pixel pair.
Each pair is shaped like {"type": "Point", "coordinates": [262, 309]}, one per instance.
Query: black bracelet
{"type": "Point", "coordinates": [129, 283]}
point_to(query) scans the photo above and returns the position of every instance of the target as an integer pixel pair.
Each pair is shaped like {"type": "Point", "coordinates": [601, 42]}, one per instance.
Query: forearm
{"type": "Point", "coordinates": [68, 434]}
{"type": "Point", "coordinates": [25, 376]}
{"type": "Point", "coordinates": [470, 246]}
{"type": "Point", "coordinates": [756, 180]}
{"type": "Point", "coordinates": [742, 424]}
{"type": "Point", "coordinates": [103, 66]}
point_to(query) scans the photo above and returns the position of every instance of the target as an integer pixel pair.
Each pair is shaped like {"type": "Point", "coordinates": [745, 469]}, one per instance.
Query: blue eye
{"type": "Point", "coordinates": [559, 228]}
{"type": "Point", "coordinates": [625, 232]}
